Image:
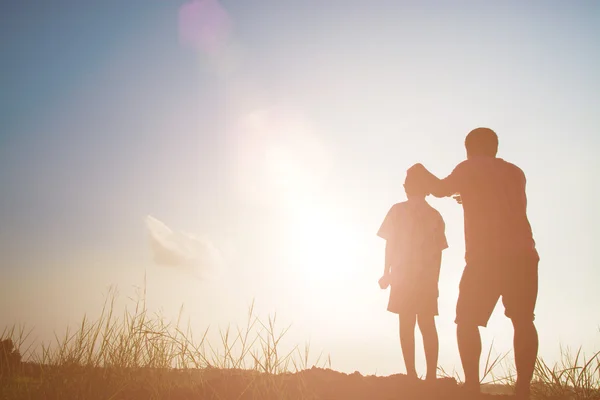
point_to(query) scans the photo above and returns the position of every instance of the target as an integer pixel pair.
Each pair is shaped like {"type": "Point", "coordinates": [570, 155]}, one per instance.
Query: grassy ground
{"type": "Point", "coordinates": [138, 356]}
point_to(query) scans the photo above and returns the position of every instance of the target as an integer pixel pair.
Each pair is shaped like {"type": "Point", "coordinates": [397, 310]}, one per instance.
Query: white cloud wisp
{"type": "Point", "coordinates": [183, 251]}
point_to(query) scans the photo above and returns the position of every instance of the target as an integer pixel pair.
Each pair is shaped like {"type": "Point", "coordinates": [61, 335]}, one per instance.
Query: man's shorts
{"type": "Point", "coordinates": [482, 284]}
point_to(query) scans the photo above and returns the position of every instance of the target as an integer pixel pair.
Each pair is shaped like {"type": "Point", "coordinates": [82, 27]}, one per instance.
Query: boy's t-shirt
{"type": "Point", "coordinates": [417, 233]}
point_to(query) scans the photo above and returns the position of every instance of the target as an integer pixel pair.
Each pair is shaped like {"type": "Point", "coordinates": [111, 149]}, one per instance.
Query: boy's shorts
{"type": "Point", "coordinates": [482, 284]}
{"type": "Point", "coordinates": [413, 300]}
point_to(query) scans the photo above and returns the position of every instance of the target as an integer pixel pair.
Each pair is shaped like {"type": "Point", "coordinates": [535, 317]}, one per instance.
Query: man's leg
{"type": "Point", "coordinates": [477, 299]}
{"type": "Point", "coordinates": [407, 342]}
{"type": "Point", "coordinates": [469, 348]}
{"type": "Point", "coordinates": [430, 343]}
{"type": "Point", "coordinates": [519, 301]}
{"type": "Point", "coordinates": [526, 349]}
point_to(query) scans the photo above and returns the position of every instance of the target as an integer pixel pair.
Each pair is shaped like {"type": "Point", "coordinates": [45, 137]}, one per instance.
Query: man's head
{"type": "Point", "coordinates": [413, 186]}
{"type": "Point", "coordinates": [481, 142]}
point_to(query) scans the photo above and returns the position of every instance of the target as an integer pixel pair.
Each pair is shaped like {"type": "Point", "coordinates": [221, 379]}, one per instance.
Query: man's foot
{"type": "Point", "coordinates": [522, 392]}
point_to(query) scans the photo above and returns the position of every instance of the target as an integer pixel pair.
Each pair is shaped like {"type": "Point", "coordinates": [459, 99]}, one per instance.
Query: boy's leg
{"type": "Point", "coordinates": [407, 342]}
{"type": "Point", "coordinates": [430, 344]}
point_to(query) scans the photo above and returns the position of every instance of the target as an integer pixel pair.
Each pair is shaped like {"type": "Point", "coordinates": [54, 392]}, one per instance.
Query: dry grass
{"type": "Point", "coordinates": [138, 352]}
{"type": "Point", "coordinates": [575, 376]}
{"type": "Point", "coordinates": [137, 355]}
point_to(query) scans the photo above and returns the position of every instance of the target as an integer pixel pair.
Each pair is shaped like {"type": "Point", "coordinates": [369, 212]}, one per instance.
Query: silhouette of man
{"type": "Point", "coordinates": [415, 238]}
{"type": "Point", "coordinates": [501, 257]}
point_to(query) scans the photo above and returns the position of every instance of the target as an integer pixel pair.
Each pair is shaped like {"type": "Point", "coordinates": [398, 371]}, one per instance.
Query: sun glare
{"type": "Point", "coordinates": [320, 246]}
{"type": "Point", "coordinates": [278, 158]}
{"type": "Point", "coordinates": [285, 164]}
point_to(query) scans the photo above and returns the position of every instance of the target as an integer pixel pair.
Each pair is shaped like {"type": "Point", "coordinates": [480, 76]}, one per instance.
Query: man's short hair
{"type": "Point", "coordinates": [482, 142]}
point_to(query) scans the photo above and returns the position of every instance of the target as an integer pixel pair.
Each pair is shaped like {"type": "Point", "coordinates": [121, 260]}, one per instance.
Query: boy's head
{"type": "Point", "coordinates": [413, 186]}
{"type": "Point", "coordinates": [481, 142]}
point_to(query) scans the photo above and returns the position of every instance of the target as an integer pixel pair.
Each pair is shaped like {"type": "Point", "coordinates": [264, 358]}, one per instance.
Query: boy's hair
{"type": "Point", "coordinates": [414, 186]}
{"type": "Point", "coordinates": [482, 142]}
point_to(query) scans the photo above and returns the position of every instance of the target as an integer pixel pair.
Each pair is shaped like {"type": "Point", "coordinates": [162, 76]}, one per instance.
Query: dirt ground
{"type": "Point", "coordinates": [317, 383]}
{"type": "Point", "coordinates": [225, 384]}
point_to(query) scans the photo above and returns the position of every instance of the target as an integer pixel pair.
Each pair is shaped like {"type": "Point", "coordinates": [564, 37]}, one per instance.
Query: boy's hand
{"type": "Point", "coordinates": [384, 281]}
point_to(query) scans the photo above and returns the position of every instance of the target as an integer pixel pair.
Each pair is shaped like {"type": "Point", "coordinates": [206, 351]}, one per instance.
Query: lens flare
{"type": "Point", "coordinates": [204, 25]}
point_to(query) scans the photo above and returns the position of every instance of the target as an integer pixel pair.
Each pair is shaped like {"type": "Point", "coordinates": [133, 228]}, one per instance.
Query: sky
{"type": "Point", "coordinates": [221, 153]}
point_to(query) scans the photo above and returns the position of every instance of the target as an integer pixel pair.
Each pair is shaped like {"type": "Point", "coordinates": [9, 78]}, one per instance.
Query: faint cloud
{"type": "Point", "coordinates": [183, 251]}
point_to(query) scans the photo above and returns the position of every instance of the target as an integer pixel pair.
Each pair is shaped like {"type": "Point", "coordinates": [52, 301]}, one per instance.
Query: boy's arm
{"type": "Point", "coordinates": [384, 281]}
{"type": "Point", "coordinates": [386, 232]}
{"type": "Point", "coordinates": [442, 243]}
{"type": "Point", "coordinates": [437, 261]}
{"type": "Point", "coordinates": [388, 258]}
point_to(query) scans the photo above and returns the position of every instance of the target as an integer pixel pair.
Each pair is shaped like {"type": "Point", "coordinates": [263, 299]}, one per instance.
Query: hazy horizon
{"type": "Point", "coordinates": [231, 152]}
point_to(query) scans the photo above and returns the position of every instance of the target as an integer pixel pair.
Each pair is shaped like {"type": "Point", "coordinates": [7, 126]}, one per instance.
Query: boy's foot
{"type": "Point", "coordinates": [471, 390]}
{"type": "Point", "coordinates": [411, 373]}
{"type": "Point", "coordinates": [412, 377]}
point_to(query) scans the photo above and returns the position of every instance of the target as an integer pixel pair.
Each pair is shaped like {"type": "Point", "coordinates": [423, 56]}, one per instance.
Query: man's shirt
{"type": "Point", "coordinates": [495, 208]}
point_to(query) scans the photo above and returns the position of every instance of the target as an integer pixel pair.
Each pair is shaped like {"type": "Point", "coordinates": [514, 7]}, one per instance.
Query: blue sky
{"type": "Point", "coordinates": [283, 148]}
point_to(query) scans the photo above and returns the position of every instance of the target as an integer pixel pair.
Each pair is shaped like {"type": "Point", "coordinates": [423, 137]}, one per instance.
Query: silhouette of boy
{"type": "Point", "coordinates": [415, 237]}
{"type": "Point", "coordinates": [501, 257]}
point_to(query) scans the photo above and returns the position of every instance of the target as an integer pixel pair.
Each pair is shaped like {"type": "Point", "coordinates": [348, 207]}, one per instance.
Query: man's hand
{"type": "Point", "coordinates": [421, 173]}
{"type": "Point", "coordinates": [418, 169]}
{"type": "Point", "coordinates": [432, 184]}
{"type": "Point", "coordinates": [384, 281]}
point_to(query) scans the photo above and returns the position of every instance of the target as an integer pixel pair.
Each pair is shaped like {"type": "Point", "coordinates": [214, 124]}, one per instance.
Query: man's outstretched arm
{"type": "Point", "coordinates": [438, 187]}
